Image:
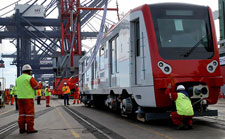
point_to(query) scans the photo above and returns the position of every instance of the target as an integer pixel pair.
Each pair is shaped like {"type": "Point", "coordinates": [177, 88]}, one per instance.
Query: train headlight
{"type": "Point", "coordinates": [211, 67]}
{"type": "Point", "coordinates": [160, 64]}
{"type": "Point", "coordinates": [215, 63]}
{"type": "Point", "coordinates": [165, 68]}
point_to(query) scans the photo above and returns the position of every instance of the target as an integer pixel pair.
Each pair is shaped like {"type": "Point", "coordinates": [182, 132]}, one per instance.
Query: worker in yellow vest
{"type": "Point", "coordinates": [47, 96]}
{"type": "Point", "coordinates": [182, 118]}
{"type": "Point", "coordinates": [26, 85]}
{"type": "Point", "coordinates": [12, 96]}
{"type": "Point", "coordinates": [66, 92]}
{"type": "Point", "coordinates": [39, 94]}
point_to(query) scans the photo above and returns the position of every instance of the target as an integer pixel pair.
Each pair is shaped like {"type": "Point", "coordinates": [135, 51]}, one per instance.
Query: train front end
{"type": "Point", "coordinates": [183, 49]}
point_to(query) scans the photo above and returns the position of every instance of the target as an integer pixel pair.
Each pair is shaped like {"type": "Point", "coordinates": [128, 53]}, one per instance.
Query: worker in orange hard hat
{"type": "Point", "coordinates": [26, 85]}
{"type": "Point", "coordinates": [66, 92]}
{"type": "Point", "coordinates": [76, 95]}
{"type": "Point", "coordinates": [39, 94]}
{"type": "Point", "coordinates": [47, 95]}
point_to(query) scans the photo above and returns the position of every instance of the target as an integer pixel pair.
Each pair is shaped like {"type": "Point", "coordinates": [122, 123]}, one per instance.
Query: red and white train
{"type": "Point", "coordinates": [152, 46]}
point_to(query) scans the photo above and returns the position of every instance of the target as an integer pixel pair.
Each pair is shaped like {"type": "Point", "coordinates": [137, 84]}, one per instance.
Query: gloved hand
{"type": "Point", "coordinates": [168, 89]}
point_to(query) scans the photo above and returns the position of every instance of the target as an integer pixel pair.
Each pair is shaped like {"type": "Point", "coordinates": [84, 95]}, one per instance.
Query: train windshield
{"type": "Point", "coordinates": [183, 32]}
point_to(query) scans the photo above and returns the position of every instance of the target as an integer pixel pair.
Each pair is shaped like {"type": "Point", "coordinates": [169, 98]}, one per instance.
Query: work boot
{"type": "Point", "coordinates": [22, 131]}
{"type": "Point", "coordinates": [33, 131]}
{"type": "Point", "coordinates": [189, 126]}
{"type": "Point", "coordinates": [180, 127]}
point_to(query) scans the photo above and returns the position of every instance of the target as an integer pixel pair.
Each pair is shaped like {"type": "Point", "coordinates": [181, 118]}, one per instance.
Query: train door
{"type": "Point", "coordinates": [136, 43]}
{"type": "Point", "coordinates": [113, 61]}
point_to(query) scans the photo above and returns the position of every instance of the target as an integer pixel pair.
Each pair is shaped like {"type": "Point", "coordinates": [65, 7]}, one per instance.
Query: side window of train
{"type": "Point", "coordinates": [114, 55]}
{"type": "Point", "coordinates": [101, 58]}
{"type": "Point", "coordinates": [137, 36]}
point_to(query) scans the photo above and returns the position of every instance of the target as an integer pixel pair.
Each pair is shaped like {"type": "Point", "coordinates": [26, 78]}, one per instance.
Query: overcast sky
{"type": "Point", "coordinates": [124, 6]}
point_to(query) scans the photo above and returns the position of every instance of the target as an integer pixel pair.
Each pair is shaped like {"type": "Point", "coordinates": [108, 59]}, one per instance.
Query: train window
{"type": "Point", "coordinates": [101, 58]}
{"type": "Point", "coordinates": [114, 53]}
{"type": "Point", "coordinates": [182, 32]}
{"type": "Point", "coordinates": [117, 54]}
{"type": "Point", "coordinates": [137, 37]}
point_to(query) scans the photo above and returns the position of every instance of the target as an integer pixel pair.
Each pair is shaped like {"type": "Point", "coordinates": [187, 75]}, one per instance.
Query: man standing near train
{"type": "Point", "coordinates": [26, 85]}
{"type": "Point", "coordinates": [182, 118]}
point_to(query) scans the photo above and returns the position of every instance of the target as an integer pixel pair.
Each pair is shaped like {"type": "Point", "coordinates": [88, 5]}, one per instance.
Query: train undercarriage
{"type": "Point", "coordinates": [127, 106]}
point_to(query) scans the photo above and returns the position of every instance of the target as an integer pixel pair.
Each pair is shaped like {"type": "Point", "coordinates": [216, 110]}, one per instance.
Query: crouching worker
{"type": "Point", "coordinates": [182, 118]}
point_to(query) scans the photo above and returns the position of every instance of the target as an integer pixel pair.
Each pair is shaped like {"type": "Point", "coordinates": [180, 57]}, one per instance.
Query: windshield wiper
{"type": "Point", "coordinates": [195, 46]}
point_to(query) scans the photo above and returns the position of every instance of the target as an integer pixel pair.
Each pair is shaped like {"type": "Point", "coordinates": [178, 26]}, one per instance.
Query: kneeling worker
{"type": "Point", "coordinates": [182, 118]}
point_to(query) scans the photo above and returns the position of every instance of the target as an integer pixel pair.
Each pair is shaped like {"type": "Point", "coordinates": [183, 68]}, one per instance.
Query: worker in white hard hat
{"type": "Point", "coordinates": [182, 117]}
{"type": "Point", "coordinates": [26, 85]}
{"type": "Point", "coordinates": [66, 92]}
{"type": "Point", "coordinates": [47, 95]}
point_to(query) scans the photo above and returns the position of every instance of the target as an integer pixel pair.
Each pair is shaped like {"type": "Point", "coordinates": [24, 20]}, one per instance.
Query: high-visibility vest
{"type": "Point", "coordinates": [47, 93]}
{"type": "Point", "coordinates": [66, 90]}
{"type": "Point", "coordinates": [183, 105]}
{"type": "Point", "coordinates": [38, 92]}
{"type": "Point", "coordinates": [13, 91]}
{"type": "Point", "coordinates": [24, 88]}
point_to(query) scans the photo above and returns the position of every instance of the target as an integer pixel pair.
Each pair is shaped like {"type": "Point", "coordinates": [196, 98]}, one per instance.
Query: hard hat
{"type": "Point", "coordinates": [65, 83]}
{"type": "Point", "coordinates": [26, 67]}
{"type": "Point", "coordinates": [46, 85]}
{"type": "Point", "coordinates": [180, 87]}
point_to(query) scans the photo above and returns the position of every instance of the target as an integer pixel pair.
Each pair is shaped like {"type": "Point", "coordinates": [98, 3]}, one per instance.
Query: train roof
{"type": "Point", "coordinates": [152, 5]}
{"type": "Point", "coordinates": [175, 4]}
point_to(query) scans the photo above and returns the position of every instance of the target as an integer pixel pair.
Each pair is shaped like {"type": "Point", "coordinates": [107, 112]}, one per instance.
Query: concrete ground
{"type": "Point", "coordinates": [55, 124]}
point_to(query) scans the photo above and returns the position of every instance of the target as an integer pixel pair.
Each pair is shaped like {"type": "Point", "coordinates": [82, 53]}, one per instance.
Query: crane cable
{"type": "Point", "coordinates": [117, 6]}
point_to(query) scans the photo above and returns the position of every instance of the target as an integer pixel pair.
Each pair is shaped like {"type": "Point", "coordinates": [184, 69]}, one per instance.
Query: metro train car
{"type": "Point", "coordinates": [152, 46]}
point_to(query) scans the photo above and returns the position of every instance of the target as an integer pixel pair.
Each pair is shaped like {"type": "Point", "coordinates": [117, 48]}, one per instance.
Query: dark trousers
{"type": "Point", "coordinates": [16, 103]}
{"type": "Point", "coordinates": [66, 99]}
{"type": "Point", "coordinates": [39, 100]}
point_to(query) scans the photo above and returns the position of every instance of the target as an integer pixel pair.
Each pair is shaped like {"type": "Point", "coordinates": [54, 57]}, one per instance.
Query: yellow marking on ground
{"type": "Point", "coordinates": [67, 124]}
{"type": "Point", "coordinates": [7, 111]}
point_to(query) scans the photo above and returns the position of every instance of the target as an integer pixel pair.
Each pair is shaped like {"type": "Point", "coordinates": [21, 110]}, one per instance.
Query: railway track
{"type": "Point", "coordinates": [98, 130]}
{"type": "Point", "coordinates": [9, 128]}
